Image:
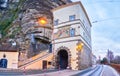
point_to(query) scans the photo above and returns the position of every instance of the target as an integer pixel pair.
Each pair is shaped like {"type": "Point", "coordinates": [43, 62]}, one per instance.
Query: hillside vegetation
{"type": "Point", "coordinates": [8, 15]}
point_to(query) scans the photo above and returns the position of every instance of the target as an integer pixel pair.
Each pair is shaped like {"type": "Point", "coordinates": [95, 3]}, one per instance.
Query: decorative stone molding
{"type": "Point", "coordinates": [56, 56]}
{"type": "Point", "coordinates": [78, 58]}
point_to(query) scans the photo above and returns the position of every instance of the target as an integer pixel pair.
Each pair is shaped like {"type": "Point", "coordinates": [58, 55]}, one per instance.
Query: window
{"type": "Point", "coordinates": [50, 48]}
{"type": "Point", "coordinates": [56, 22]}
{"type": "Point", "coordinates": [72, 17]}
{"type": "Point", "coordinates": [72, 32]}
{"type": "Point", "coordinates": [49, 63]}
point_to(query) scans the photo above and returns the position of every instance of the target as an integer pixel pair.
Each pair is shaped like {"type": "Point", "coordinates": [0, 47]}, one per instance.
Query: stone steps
{"type": "Point", "coordinates": [34, 59]}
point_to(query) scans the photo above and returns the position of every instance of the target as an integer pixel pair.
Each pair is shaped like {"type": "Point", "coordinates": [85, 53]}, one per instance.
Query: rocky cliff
{"type": "Point", "coordinates": [18, 21]}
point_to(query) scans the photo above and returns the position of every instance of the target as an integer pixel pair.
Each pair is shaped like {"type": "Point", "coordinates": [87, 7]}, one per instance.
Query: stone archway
{"type": "Point", "coordinates": [62, 58]}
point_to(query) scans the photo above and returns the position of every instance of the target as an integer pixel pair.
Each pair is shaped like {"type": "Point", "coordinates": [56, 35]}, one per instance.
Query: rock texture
{"type": "Point", "coordinates": [23, 25]}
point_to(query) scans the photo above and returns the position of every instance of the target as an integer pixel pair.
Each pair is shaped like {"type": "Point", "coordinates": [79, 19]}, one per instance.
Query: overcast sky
{"type": "Point", "coordinates": [105, 18]}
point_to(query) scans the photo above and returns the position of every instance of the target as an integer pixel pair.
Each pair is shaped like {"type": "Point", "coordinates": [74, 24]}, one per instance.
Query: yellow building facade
{"type": "Point", "coordinates": [40, 61]}
{"type": "Point", "coordinates": [11, 54]}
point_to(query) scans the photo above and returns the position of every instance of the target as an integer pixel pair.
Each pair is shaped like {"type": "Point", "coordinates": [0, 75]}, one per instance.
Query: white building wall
{"type": "Point", "coordinates": [84, 20]}
{"type": "Point", "coordinates": [80, 21]}
{"type": "Point", "coordinates": [63, 15]}
{"type": "Point", "coordinates": [82, 32]}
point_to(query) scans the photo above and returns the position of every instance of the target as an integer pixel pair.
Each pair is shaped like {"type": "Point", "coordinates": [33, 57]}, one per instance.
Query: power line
{"type": "Point", "coordinates": [114, 18]}
{"type": "Point", "coordinates": [99, 2]}
{"type": "Point", "coordinates": [107, 1]}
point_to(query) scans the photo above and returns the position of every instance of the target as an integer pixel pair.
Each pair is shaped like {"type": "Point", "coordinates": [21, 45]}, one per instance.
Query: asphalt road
{"type": "Point", "coordinates": [98, 70]}
{"type": "Point", "coordinates": [17, 72]}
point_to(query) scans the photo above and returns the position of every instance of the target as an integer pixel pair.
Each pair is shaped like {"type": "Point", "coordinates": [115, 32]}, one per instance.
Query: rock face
{"type": "Point", "coordinates": [23, 29]}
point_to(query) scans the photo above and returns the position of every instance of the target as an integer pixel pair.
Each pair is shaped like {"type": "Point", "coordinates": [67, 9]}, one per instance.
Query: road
{"type": "Point", "coordinates": [95, 71]}
{"type": "Point", "coordinates": [18, 72]}
{"type": "Point", "coordinates": [98, 70]}
{"type": "Point", "coordinates": [109, 71]}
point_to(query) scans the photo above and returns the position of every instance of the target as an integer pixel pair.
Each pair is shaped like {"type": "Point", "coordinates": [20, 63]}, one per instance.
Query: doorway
{"type": "Point", "coordinates": [62, 59]}
{"type": "Point", "coordinates": [44, 66]}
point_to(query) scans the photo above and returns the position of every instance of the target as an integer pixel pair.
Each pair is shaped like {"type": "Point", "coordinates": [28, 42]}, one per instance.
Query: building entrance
{"type": "Point", "coordinates": [62, 59]}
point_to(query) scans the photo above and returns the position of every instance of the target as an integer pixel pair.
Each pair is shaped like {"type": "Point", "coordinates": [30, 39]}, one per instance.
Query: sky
{"type": "Point", "coordinates": [105, 19]}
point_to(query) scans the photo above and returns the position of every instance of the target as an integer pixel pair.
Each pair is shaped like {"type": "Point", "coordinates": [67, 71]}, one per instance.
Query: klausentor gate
{"type": "Point", "coordinates": [62, 58]}
{"type": "Point", "coordinates": [71, 37]}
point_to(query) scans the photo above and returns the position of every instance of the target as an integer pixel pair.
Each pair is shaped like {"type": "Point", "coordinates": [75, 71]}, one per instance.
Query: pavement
{"type": "Point", "coordinates": [58, 73]}
{"type": "Point", "coordinates": [66, 72]}
{"type": "Point", "coordinates": [92, 71]}
{"type": "Point", "coordinates": [12, 72]}
{"type": "Point", "coordinates": [51, 72]}
{"type": "Point", "coordinates": [104, 70]}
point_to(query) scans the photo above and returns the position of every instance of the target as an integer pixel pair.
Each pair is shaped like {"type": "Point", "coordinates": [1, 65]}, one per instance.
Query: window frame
{"type": "Point", "coordinates": [72, 32]}
{"type": "Point", "coordinates": [72, 17]}
{"type": "Point", "coordinates": [56, 22]}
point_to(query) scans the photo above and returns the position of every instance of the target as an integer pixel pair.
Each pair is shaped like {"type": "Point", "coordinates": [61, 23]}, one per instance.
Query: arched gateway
{"type": "Point", "coordinates": [62, 58]}
{"type": "Point", "coordinates": [71, 37]}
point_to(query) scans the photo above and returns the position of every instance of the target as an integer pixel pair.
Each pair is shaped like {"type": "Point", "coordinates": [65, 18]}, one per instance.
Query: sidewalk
{"type": "Point", "coordinates": [51, 72]}
{"type": "Point", "coordinates": [59, 73]}
{"type": "Point", "coordinates": [66, 72]}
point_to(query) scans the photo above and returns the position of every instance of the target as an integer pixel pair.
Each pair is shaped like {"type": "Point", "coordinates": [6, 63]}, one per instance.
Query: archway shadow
{"type": "Point", "coordinates": [62, 59]}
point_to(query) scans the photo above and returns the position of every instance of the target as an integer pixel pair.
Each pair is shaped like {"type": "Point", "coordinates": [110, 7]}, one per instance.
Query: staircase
{"type": "Point", "coordinates": [35, 62]}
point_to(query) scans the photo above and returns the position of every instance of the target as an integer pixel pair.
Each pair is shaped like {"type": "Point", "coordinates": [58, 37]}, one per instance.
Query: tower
{"type": "Point", "coordinates": [71, 37]}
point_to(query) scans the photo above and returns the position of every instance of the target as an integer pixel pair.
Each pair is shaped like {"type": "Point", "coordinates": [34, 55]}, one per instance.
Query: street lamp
{"type": "Point", "coordinates": [79, 46]}
{"type": "Point", "coordinates": [42, 21]}
{"type": "Point", "coordinates": [42, 29]}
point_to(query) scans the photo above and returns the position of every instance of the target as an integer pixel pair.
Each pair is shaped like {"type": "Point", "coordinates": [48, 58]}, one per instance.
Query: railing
{"type": "Point", "coordinates": [33, 59]}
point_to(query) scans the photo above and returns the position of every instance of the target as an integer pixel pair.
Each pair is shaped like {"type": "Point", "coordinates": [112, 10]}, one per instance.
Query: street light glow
{"type": "Point", "coordinates": [79, 46]}
{"type": "Point", "coordinates": [42, 21]}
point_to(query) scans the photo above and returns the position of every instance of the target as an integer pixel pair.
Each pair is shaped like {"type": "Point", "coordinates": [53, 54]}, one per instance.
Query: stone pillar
{"type": "Point", "coordinates": [78, 60]}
